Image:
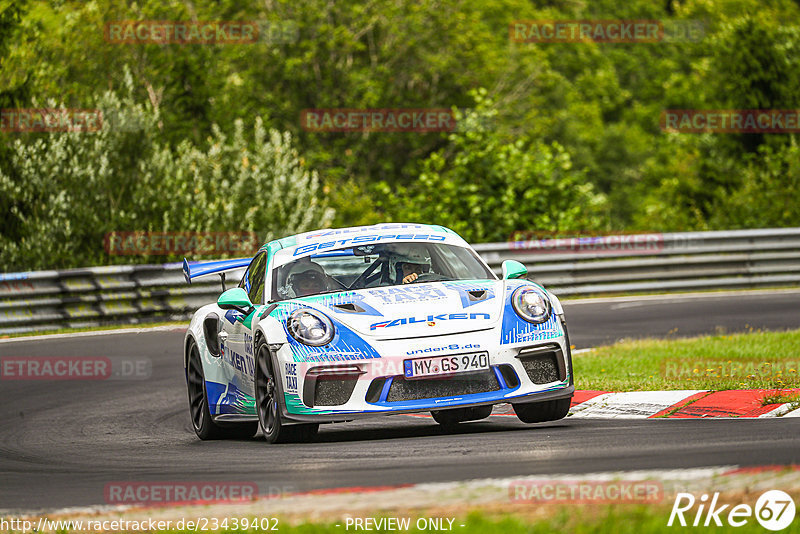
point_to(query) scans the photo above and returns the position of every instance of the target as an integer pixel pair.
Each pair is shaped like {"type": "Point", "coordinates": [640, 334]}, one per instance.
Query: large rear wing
{"type": "Point", "coordinates": [195, 270]}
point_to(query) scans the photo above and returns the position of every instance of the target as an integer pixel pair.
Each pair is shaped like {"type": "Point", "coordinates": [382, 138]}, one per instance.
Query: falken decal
{"type": "Point", "coordinates": [430, 319]}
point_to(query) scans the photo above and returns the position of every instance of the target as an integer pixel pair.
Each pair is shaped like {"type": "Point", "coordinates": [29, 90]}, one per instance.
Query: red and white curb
{"type": "Point", "coordinates": [684, 404]}
{"type": "Point", "coordinates": [681, 404]}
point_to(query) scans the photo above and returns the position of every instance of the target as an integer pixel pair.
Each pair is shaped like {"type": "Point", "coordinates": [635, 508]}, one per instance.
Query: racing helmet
{"type": "Point", "coordinates": [407, 254]}
{"type": "Point", "coordinates": [304, 277]}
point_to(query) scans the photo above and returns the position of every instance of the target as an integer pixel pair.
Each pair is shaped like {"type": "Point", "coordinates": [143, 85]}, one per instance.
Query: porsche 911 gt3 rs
{"type": "Point", "coordinates": [338, 324]}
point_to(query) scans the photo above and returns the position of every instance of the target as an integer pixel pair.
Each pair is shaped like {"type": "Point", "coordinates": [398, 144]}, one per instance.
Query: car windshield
{"type": "Point", "coordinates": [377, 265]}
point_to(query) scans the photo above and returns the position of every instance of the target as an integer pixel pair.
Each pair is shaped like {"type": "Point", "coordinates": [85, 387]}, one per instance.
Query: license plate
{"type": "Point", "coordinates": [446, 365]}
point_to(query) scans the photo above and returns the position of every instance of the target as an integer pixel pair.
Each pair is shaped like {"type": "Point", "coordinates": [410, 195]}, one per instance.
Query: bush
{"type": "Point", "coordinates": [486, 187]}
{"type": "Point", "coordinates": [64, 191]}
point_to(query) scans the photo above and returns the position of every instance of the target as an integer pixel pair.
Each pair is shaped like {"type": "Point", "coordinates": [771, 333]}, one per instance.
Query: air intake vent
{"type": "Point", "coordinates": [349, 307]}
{"type": "Point", "coordinates": [210, 332]}
{"type": "Point", "coordinates": [478, 294]}
{"type": "Point", "coordinates": [509, 375]}
{"type": "Point", "coordinates": [330, 391]}
{"type": "Point", "coordinates": [374, 390]}
{"type": "Point", "coordinates": [431, 388]}
{"type": "Point", "coordinates": [330, 386]}
{"type": "Point", "coordinates": [543, 364]}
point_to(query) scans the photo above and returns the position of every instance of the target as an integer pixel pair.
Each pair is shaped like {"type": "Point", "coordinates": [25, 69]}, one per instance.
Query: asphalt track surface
{"type": "Point", "coordinates": [61, 442]}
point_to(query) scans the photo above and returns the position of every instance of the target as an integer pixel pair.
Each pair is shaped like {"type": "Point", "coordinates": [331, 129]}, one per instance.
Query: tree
{"type": "Point", "coordinates": [68, 190]}
{"type": "Point", "coordinates": [486, 187]}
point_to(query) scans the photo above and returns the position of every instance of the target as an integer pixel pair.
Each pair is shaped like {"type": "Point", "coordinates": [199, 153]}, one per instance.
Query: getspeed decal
{"type": "Point", "coordinates": [429, 319]}
{"type": "Point", "coordinates": [362, 229]}
{"type": "Point", "coordinates": [367, 239]}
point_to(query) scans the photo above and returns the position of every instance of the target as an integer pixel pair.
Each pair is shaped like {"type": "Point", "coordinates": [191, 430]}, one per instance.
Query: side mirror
{"type": "Point", "coordinates": [235, 299]}
{"type": "Point", "coordinates": [513, 269]}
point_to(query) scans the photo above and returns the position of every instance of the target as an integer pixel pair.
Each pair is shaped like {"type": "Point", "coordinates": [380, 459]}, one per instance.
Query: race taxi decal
{"type": "Point", "coordinates": [407, 294]}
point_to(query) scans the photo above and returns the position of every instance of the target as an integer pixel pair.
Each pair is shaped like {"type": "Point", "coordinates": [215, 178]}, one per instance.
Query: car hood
{"type": "Point", "coordinates": [415, 310]}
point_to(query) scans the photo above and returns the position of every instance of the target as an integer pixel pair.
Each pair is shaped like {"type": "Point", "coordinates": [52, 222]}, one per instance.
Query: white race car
{"type": "Point", "coordinates": [333, 325]}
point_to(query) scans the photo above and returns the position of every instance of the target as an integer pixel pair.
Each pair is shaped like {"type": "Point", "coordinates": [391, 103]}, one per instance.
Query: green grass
{"type": "Point", "coordinates": [754, 360]}
{"type": "Point", "coordinates": [780, 398]}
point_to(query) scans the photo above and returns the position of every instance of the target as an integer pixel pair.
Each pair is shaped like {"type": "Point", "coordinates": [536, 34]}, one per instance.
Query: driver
{"type": "Point", "coordinates": [306, 278]}
{"type": "Point", "coordinates": [410, 264]}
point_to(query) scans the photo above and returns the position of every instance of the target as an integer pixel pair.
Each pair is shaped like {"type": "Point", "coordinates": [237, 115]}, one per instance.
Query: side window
{"type": "Point", "coordinates": [253, 281]}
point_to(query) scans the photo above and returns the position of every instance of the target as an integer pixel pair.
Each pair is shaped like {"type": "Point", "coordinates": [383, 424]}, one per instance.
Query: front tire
{"type": "Point", "coordinates": [275, 429]}
{"type": "Point", "coordinates": [539, 412]}
{"type": "Point", "coordinates": [204, 426]}
{"type": "Point", "coordinates": [452, 417]}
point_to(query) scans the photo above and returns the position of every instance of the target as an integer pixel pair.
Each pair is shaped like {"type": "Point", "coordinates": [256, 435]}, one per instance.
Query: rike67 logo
{"type": "Point", "coordinates": [774, 510]}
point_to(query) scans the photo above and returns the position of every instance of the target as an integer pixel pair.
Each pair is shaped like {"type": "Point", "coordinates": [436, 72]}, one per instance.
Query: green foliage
{"type": "Point", "coordinates": [485, 187]}
{"type": "Point", "coordinates": [767, 195]}
{"type": "Point", "coordinates": [260, 185]}
{"type": "Point", "coordinates": [66, 191]}
{"type": "Point", "coordinates": [574, 141]}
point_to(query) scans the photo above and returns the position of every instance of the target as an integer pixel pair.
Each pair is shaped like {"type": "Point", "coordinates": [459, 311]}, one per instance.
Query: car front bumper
{"type": "Point", "coordinates": [338, 391]}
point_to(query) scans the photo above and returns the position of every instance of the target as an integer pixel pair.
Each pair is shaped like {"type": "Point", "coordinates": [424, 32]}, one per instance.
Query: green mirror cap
{"type": "Point", "coordinates": [234, 298]}
{"type": "Point", "coordinates": [513, 269]}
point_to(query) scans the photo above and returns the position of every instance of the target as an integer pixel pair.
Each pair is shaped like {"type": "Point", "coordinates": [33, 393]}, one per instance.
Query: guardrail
{"type": "Point", "coordinates": [658, 263]}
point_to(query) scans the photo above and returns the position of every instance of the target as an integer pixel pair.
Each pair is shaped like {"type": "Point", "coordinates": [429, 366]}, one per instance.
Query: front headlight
{"type": "Point", "coordinates": [531, 304]}
{"type": "Point", "coordinates": [310, 327]}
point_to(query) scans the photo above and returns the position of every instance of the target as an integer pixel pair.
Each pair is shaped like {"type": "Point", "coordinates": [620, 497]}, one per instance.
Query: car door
{"type": "Point", "coordinates": [236, 344]}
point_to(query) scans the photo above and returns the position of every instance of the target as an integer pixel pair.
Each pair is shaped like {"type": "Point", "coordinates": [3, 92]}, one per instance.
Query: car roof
{"type": "Point", "coordinates": [330, 238]}
{"type": "Point", "coordinates": [327, 234]}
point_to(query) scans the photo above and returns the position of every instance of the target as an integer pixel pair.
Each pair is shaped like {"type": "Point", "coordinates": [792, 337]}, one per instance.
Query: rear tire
{"type": "Point", "coordinates": [539, 412]}
{"type": "Point", "coordinates": [272, 424]}
{"type": "Point", "coordinates": [204, 426]}
{"type": "Point", "coordinates": [454, 416]}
